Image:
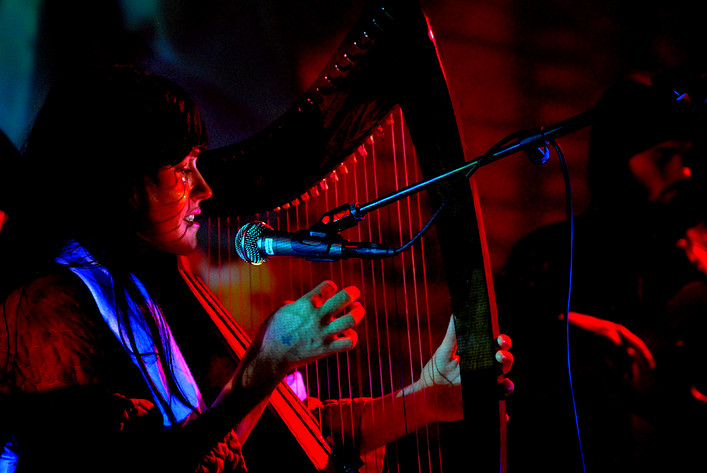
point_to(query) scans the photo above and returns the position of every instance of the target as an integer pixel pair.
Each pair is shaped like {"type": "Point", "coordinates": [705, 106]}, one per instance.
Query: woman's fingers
{"type": "Point", "coordinates": [507, 387]}
{"type": "Point", "coordinates": [506, 359]}
{"type": "Point", "coordinates": [337, 333]}
{"type": "Point", "coordinates": [346, 321]}
{"type": "Point", "coordinates": [344, 341]}
{"type": "Point", "coordinates": [504, 342]}
{"type": "Point", "coordinates": [321, 294]}
{"type": "Point", "coordinates": [339, 301]}
{"type": "Point", "coordinates": [448, 348]}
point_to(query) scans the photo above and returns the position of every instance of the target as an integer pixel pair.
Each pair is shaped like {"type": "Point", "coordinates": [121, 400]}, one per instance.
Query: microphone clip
{"type": "Point", "coordinates": [334, 221]}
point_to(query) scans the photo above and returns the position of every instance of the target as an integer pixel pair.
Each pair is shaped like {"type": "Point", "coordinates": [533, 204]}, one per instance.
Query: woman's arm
{"type": "Point", "coordinates": [298, 333]}
{"type": "Point", "coordinates": [435, 397]}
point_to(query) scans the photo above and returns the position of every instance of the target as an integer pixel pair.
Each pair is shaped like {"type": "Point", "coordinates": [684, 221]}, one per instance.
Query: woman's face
{"type": "Point", "coordinates": [171, 201]}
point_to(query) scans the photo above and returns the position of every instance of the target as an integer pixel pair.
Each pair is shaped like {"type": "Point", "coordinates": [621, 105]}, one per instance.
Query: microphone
{"type": "Point", "coordinates": [256, 242]}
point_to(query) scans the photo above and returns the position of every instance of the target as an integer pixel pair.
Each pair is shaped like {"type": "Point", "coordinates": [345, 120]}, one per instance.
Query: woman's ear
{"type": "Point", "coordinates": [138, 193]}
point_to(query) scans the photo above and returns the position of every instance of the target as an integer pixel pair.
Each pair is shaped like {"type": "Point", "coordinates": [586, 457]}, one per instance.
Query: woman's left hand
{"type": "Point", "coordinates": [441, 376]}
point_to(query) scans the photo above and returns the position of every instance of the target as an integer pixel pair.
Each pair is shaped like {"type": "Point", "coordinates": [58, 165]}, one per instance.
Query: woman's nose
{"type": "Point", "coordinates": [201, 189]}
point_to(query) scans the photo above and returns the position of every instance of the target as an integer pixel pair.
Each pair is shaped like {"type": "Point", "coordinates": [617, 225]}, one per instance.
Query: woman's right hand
{"type": "Point", "coordinates": [310, 328]}
{"type": "Point", "coordinates": [298, 333]}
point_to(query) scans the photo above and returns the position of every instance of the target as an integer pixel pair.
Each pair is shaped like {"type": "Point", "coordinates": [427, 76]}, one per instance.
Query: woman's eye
{"type": "Point", "coordinates": [185, 173]}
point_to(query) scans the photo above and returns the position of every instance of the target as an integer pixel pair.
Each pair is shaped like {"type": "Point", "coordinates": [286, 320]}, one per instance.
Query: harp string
{"type": "Point", "coordinates": [421, 294]}
{"type": "Point", "coordinates": [413, 287]}
{"type": "Point", "coordinates": [416, 290]}
{"type": "Point", "coordinates": [343, 171]}
{"type": "Point", "coordinates": [375, 461]}
{"type": "Point", "coordinates": [401, 327]}
{"type": "Point", "coordinates": [339, 274]}
{"type": "Point", "coordinates": [404, 281]}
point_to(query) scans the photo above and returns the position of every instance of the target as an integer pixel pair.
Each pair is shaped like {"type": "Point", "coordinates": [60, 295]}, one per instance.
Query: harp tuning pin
{"type": "Point", "coordinates": [315, 97]}
{"type": "Point", "coordinates": [321, 91]}
{"type": "Point", "coordinates": [344, 67]}
{"type": "Point", "coordinates": [324, 185]}
{"type": "Point", "coordinates": [352, 57]}
{"type": "Point", "coordinates": [382, 20]}
{"type": "Point", "coordinates": [347, 63]}
{"type": "Point", "coordinates": [333, 177]}
{"type": "Point", "coordinates": [294, 203]}
{"type": "Point", "coordinates": [314, 191]}
{"type": "Point", "coordinates": [364, 42]}
{"type": "Point", "coordinates": [333, 80]}
{"type": "Point", "coordinates": [361, 151]}
{"type": "Point", "coordinates": [285, 206]}
{"type": "Point", "coordinates": [304, 197]}
{"type": "Point", "coordinates": [342, 168]}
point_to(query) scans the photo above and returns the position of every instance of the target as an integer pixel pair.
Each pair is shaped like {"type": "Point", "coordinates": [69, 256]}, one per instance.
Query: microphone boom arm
{"type": "Point", "coordinates": [348, 215]}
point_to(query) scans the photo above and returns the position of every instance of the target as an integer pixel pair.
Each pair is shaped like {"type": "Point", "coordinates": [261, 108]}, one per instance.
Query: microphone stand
{"type": "Point", "coordinates": [532, 142]}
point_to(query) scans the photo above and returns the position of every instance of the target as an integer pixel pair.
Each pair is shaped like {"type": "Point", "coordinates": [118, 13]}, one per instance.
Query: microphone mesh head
{"type": "Point", "coordinates": [246, 242]}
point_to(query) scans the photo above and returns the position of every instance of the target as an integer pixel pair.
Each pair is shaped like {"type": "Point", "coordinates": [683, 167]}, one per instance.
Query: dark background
{"type": "Point", "coordinates": [510, 65]}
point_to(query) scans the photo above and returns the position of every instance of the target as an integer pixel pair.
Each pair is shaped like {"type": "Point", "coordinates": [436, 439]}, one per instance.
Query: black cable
{"type": "Point", "coordinates": [429, 223]}
{"type": "Point", "coordinates": [423, 229]}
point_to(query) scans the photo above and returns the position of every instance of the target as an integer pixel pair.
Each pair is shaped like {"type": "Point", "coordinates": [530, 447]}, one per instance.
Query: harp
{"type": "Point", "coordinates": [378, 118]}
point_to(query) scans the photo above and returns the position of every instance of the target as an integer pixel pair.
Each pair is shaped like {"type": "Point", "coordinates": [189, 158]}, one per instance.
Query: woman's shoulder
{"type": "Point", "coordinates": [49, 330]}
{"type": "Point", "coordinates": [50, 293]}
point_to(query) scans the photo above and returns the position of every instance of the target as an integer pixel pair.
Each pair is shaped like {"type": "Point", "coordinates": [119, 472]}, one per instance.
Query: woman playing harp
{"type": "Point", "coordinates": [92, 377]}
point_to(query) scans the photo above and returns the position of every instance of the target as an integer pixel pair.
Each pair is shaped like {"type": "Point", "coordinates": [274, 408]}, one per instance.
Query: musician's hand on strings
{"type": "Point", "coordinates": [435, 397]}
{"type": "Point", "coordinates": [441, 375]}
{"type": "Point", "coordinates": [318, 324]}
{"type": "Point", "coordinates": [443, 368]}
{"type": "Point", "coordinates": [441, 379]}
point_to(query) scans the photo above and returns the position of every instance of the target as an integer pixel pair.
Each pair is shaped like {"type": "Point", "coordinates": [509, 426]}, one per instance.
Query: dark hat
{"type": "Point", "coordinates": [629, 118]}
{"type": "Point", "coordinates": [632, 117]}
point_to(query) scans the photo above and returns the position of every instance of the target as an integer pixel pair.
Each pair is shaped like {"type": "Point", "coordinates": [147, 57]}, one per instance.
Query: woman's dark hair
{"type": "Point", "coordinates": [100, 132]}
